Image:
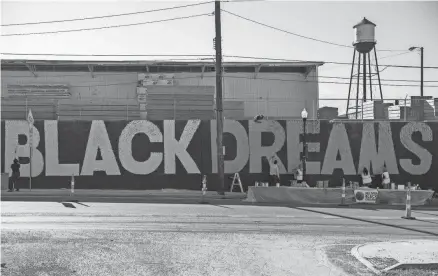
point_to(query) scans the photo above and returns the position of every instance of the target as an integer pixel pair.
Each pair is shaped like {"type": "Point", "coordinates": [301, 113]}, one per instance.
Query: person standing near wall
{"type": "Point", "coordinates": [299, 173]}
{"type": "Point", "coordinates": [366, 177]}
{"type": "Point", "coordinates": [274, 172]}
{"type": "Point", "coordinates": [13, 182]}
{"type": "Point", "coordinates": [386, 180]}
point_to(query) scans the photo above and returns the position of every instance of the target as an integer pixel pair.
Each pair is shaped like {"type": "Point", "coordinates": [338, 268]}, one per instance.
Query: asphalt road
{"type": "Point", "coordinates": [49, 238]}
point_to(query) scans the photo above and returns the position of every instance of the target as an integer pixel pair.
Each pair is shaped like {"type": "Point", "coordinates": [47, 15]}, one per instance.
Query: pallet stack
{"type": "Point", "coordinates": [161, 99]}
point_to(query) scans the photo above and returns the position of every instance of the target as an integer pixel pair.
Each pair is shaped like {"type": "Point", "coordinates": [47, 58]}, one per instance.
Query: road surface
{"type": "Point", "coordinates": [49, 238]}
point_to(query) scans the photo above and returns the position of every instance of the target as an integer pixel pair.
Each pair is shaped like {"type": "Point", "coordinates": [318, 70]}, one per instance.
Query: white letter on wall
{"type": "Point", "coordinates": [384, 155]}
{"type": "Point", "coordinates": [423, 154]}
{"type": "Point", "coordinates": [173, 148]}
{"type": "Point", "coordinates": [295, 147]}
{"type": "Point", "coordinates": [242, 150]}
{"type": "Point", "coordinates": [338, 142]}
{"type": "Point", "coordinates": [53, 168]}
{"type": "Point", "coordinates": [125, 147]}
{"type": "Point", "coordinates": [255, 144]}
{"type": "Point", "coordinates": [13, 129]}
{"type": "Point", "coordinates": [98, 139]}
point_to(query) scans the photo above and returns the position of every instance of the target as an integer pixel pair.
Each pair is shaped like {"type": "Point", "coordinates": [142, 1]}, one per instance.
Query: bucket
{"type": "Point", "coordinates": [392, 186]}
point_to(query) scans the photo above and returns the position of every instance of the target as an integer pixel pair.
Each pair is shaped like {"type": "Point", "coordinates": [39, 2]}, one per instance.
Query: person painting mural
{"type": "Point", "coordinates": [13, 181]}
{"type": "Point", "coordinates": [299, 173]}
{"type": "Point", "coordinates": [386, 180]}
{"type": "Point", "coordinates": [366, 178]}
{"type": "Point", "coordinates": [274, 172]}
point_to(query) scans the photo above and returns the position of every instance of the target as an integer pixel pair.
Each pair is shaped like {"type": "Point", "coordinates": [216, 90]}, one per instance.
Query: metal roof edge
{"type": "Point", "coordinates": [156, 62]}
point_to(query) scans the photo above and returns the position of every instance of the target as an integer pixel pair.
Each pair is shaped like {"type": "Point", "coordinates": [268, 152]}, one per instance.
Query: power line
{"type": "Point", "coordinates": [250, 78]}
{"type": "Point", "coordinates": [104, 55]}
{"type": "Point", "coordinates": [395, 55]}
{"type": "Point", "coordinates": [207, 55]}
{"type": "Point", "coordinates": [110, 27]}
{"type": "Point", "coordinates": [97, 74]}
{"type": "Point", "coordinates": [400, 80]}
{"type": "Point", "coordinates": [332, 62]}
{"type": "Point", "coordinates": [104, 16]}
{"type": "Point", "coordinates": [298, 35]}
{"type": "Point", "coordinates": [384, 57]}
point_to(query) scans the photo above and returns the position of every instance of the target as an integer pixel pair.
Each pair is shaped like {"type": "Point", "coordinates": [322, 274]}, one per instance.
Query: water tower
{"type": "Point", "coordinates": [364, 43]}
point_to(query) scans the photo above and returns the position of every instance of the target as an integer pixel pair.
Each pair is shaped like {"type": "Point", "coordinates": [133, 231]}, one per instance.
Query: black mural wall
{"type": "Point", "coordinates": [175, 154]}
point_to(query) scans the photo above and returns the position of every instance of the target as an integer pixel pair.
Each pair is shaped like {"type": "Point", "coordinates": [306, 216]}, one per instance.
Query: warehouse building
{"type": "Point", "coordinates": [129, 90]}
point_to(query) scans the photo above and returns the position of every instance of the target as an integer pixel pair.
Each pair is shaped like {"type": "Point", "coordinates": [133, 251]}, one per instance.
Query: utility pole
{"type": "Point", "coordinates": [219, 107]}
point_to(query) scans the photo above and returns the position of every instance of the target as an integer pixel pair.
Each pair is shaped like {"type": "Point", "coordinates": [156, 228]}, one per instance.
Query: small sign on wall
{"type": "Point", "coordinates": [366, 196]}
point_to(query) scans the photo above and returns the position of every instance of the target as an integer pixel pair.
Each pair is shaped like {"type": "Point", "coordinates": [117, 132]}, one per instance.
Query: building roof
{"type": "Point", "coordinates": [154, 66]}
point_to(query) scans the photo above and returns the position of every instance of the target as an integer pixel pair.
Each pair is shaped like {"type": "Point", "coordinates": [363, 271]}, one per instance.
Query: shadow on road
{"type": "Point", "coordinates": [427, 221]}
{"type": "Point", "coordinates": [425, 213]}
{"type": "Point", "coordinates": [68, 205]}
{"type": "Point", "coordinates": [367, 221]}
{"type": "Point", "coordinates": [221, 206]}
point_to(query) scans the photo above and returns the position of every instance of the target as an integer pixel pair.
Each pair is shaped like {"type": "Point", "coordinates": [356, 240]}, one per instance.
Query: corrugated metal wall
{"type": "Point", "coordinates": [275, 95]}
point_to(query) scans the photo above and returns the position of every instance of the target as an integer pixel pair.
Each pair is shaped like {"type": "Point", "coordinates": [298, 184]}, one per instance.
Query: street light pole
{"type": "Point", "coordinates": [303, 159]}
{"type": "Point", "coordinates": [422, 80]}
{"type": "Point", "coordinates": [422, 71]}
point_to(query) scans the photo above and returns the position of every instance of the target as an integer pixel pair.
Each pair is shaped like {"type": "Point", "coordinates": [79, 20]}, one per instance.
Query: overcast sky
{"type": "Point", "coordinates": [399, 26]}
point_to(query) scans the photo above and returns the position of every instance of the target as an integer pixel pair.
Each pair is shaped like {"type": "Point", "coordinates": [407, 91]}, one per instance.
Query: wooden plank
{"type": "Point", "coordinates": [178, 107]}
{"type": "Point", "coordinates": [96, 108]}
{"type": "Point", "coordinates": [180, 97]}
{"type": "Point", "coordinates": [102, 101]}
{"type": "Point", "coordinates": [99, 113]}
{"type": "Point", "coordinates": [180, 90]}
{"type": "Point", "coordinates": [90, 118]}
{"type": "Point", "coordinates": [179, 102]}
{"type": "Point", "coordinates": [29, 103]}
{"type": "Point", "coordinates": [23, 116]}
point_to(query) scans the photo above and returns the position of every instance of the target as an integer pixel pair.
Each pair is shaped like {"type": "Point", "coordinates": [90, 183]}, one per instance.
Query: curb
{"type": "Point", "coordinates": [356, 254]}
{"type": "Point", "coordinates": [399, 265]}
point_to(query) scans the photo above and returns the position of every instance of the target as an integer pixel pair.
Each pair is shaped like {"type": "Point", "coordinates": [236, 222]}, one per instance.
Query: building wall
{"type": "Point", "coordinates": [111, 155]}
{"type": "Point", "coordinates": [82, 85]}
{"type": "Point", "coordinates": [271, 94]}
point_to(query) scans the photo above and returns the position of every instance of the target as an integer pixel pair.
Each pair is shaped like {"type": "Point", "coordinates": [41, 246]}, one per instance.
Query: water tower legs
{"type": "Point", "coordinates": [364, 59]}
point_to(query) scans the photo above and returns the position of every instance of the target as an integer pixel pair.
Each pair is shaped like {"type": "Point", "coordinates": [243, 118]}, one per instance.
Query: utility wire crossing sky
{"type": "Point", "coordinates": [262, 30]}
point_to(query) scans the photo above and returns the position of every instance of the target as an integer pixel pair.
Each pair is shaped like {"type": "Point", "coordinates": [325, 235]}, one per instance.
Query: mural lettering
{"type": "Point", "coordinates": [154, 149]}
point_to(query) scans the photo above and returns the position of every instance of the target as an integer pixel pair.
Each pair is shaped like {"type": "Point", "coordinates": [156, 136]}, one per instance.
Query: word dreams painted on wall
{"type": "Point", "coordinates": [171, 147]}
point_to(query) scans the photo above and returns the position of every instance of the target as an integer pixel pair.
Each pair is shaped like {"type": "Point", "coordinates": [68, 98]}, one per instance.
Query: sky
{"type": "Point", "coordinates": [400, 25]}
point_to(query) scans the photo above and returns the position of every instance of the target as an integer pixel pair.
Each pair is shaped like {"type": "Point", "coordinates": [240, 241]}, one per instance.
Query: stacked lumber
{"type": "Point", "coordinates": [98, 109]}
{"type": "Point", "coordinates": [180, 102]}
{"type": "Point", "coordinates": [18, 108]}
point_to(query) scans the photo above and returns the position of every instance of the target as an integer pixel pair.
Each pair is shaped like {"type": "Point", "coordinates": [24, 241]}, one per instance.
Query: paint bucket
{"type": "Point", "coordinates": [256, 183]}
{"type": "Point", "coordinates": [392, 186]}
{"type": "Point", "coordinates": [278, 185]}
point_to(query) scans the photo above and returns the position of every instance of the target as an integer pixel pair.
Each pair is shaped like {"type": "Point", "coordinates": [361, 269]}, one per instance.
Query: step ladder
{"type": "Point", "coordinates": [236, 182]}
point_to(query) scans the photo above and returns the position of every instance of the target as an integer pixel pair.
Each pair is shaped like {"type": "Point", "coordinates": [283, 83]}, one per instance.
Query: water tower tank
{"type": "Point", "coordinates": [364, 39]}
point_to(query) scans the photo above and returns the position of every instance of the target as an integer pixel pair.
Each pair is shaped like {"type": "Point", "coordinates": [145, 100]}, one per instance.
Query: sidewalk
{"type": "Point", "coordinates": [117, 195]}
{"type": "Point", "coordinates": [124, 193]}
{"type": "Point", "coordinates": [169, 196]}
{"type": "Point", "coordinates": [386, 256]}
